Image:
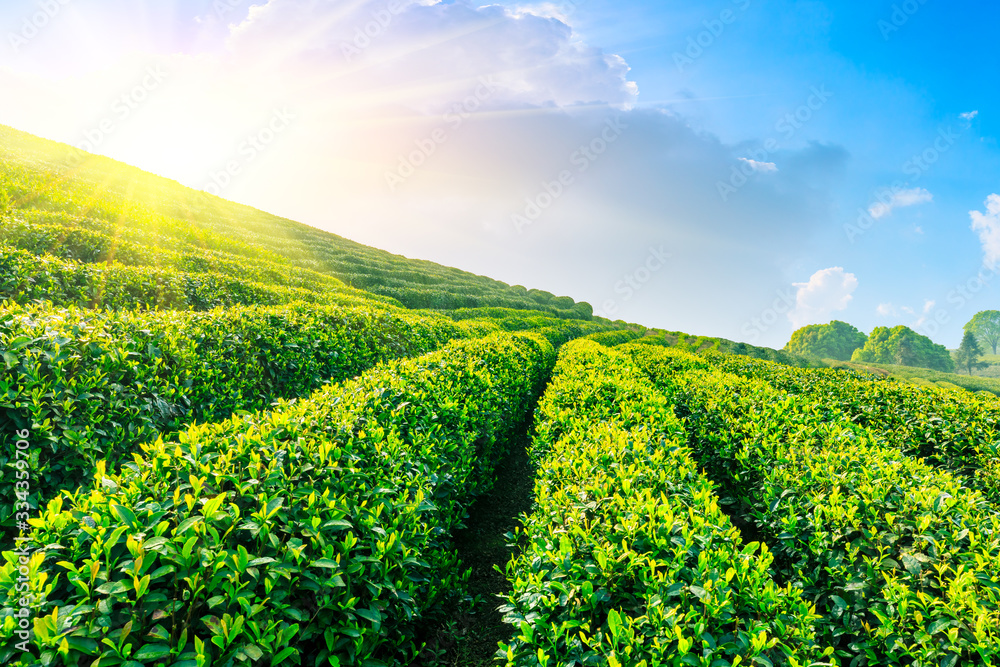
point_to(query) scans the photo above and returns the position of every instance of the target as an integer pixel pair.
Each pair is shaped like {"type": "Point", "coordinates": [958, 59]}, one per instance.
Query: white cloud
{"type": "Point", "coordinates": [913, 197]}
{"type": "Point", "coordinates": [364, 83]}
{"type": "Point", "coordinates": [761, 167]}
{"type": "Point", "coordinates": [969, 115]}
{"type": "Point", "coordinates": [562, 11]}
{"type": "Point", "coordinates": [425, 52]}
{"type": "Point", "coordinates": [987, 225]}
{"type": "Point", "coordinates": [357, 119]}
{"type": "Point", "coordinates": [828, 291]}
{"type": "Point", "coordinates": [886, 310]}
{"type": "Point", "coordinates": [928, 307]}
{"type": "Point", "coordinates": [889, 310]}
{"type": "Point", "coordinates": [900, 199]}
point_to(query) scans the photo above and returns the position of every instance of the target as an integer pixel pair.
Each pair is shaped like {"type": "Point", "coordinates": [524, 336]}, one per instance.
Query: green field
{"type": "Point", "coordinates": [232, 439]}
{"type": "Point", "coordinates": [926, 377]}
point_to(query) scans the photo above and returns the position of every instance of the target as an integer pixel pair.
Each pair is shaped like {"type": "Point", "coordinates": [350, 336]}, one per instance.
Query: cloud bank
{"type": "Point", "coordinates": [828, 291]}
{"type": "Point", "coordinates": [987, 226]}
{"type": "Point", "coordinates": [427, 128]}
{"type": "Point", "coordinates": [900, 199]}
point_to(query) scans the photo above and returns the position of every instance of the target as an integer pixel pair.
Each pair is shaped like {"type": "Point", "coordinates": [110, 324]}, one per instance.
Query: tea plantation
{"type": "Point", "coordinates": [229, 439]}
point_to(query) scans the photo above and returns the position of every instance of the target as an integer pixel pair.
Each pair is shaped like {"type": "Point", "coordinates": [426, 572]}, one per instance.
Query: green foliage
{"type": "Point", "coordinates": [769, 354]}
{"type": "Point", "coordinates": [315, 534]}
{"type": "Point", "coordinates": [627, 558]}
{"type": "Point", "coordinates": [900, 558]}
{"type": "Point", "coordinates": [836, 340]}
{"type": "Point", "coordinates": [904, 347]}
{"type": "Point", "coordinates": [554, 328]}
{"type": "Point", "coordinates": [613, 338]}
{"type": "Point", "coordinates": [25, 277]}
{"type": "Point", "coordinates": [91, 241]}
{"type": "Point", "coordinates": [698, 344]}
{"type": "Point", "coordinates": [511, 319]}
{"type": "Point", "coordinates": [541, 296]}
{"type": "Point", "coordinates": [105, 210]}
{"type": "Point", "coordinates": [92, 385]}
{"type": "Point", "coordinates": [580, 310]}
{"type": "Point", "coordinates": [968, 355]}
{"type": "Point", "coordinates": [986, 327]}
{"type": "Point", "coordinates": [954, 429]}
{"type": "Point", "coordinates": [564, 332]}
{"type": "Point", "coordinates": [160, 345]}
{"type": "Point", "coordinates": [927, 377]}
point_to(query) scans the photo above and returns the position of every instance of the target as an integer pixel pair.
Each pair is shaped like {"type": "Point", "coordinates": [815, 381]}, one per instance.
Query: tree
{"type": "Point", "coordinates": [836, 340]}
{"type": "Point", "coordinates": [904, 354]}
{"type": "Point", "coordinates": [969, 352]}
{"type": "Point", "coordinates": [904, 347]}
{"type": "Point", "coordinates": [985, 326]}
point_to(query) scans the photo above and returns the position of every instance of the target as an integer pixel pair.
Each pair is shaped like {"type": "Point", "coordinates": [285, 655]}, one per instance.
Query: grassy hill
{"type": "Point", "coordinates": [928, 378]}
{"type": "Point", "coordinates": [234, 440]}
{"type": "Point", "coordinates": [58, 201]}
{"type": "Point", "coordinates": [83, 230]}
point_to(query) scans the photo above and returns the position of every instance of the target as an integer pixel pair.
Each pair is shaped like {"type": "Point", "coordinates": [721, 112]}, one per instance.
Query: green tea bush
{"type": "Point", "coordinates": [93, 385]}
{"type": "Point", "coordinates": [954, 429]}
{"type": "Point", "coordinates": [25, 277]}
{"type": "Point", "coordinates": [315, 534]}
{"type": "Point", "coordinates": [508, 318]}
{"type": "Point", "coordinates": [563, 331]}
{"type": "Point", "coordinates": [613, 338]}
{"type": "Point", "coordinates": [44, 182]}
{"type": "Point", "coordinates": [902, 561]}
{"type": "Point", "coordinates": [88, 241]}
{"type": "Point", "coordinates": [709, 345]}
{"type": "Point", "coordinates": [556, 329]}
{"type": "Point", "coordinates": [627, 558]}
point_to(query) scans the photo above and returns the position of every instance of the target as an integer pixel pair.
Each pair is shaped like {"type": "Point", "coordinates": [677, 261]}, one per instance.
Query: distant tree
{"type": "Point", "coordinates": [986, 327]}
{"type": "Point", "coordinates": [836, 340]}
{"type": "Point", "coordinates": [969, 352]}
{"type": "Point", "coordinates": [905, 347]}
{"type": "Point", "coordinates": [905, 354]}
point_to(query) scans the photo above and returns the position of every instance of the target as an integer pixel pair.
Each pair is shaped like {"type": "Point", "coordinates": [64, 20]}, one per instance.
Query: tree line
{"type": "Point", "coordinates": [899, 345]}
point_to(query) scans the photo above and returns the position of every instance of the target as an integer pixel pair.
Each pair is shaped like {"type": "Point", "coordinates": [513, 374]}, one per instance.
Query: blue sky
{"type": "Point", "coordinates": [722, 168]}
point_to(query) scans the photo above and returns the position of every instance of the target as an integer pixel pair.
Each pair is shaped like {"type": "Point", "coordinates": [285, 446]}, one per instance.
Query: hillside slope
{"type": "Point", "coordinates": [57, 199]}
{"type": "Point", "coordinates": [78, 229]}
{"type": "Point", "coordinates": [237, 440]}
